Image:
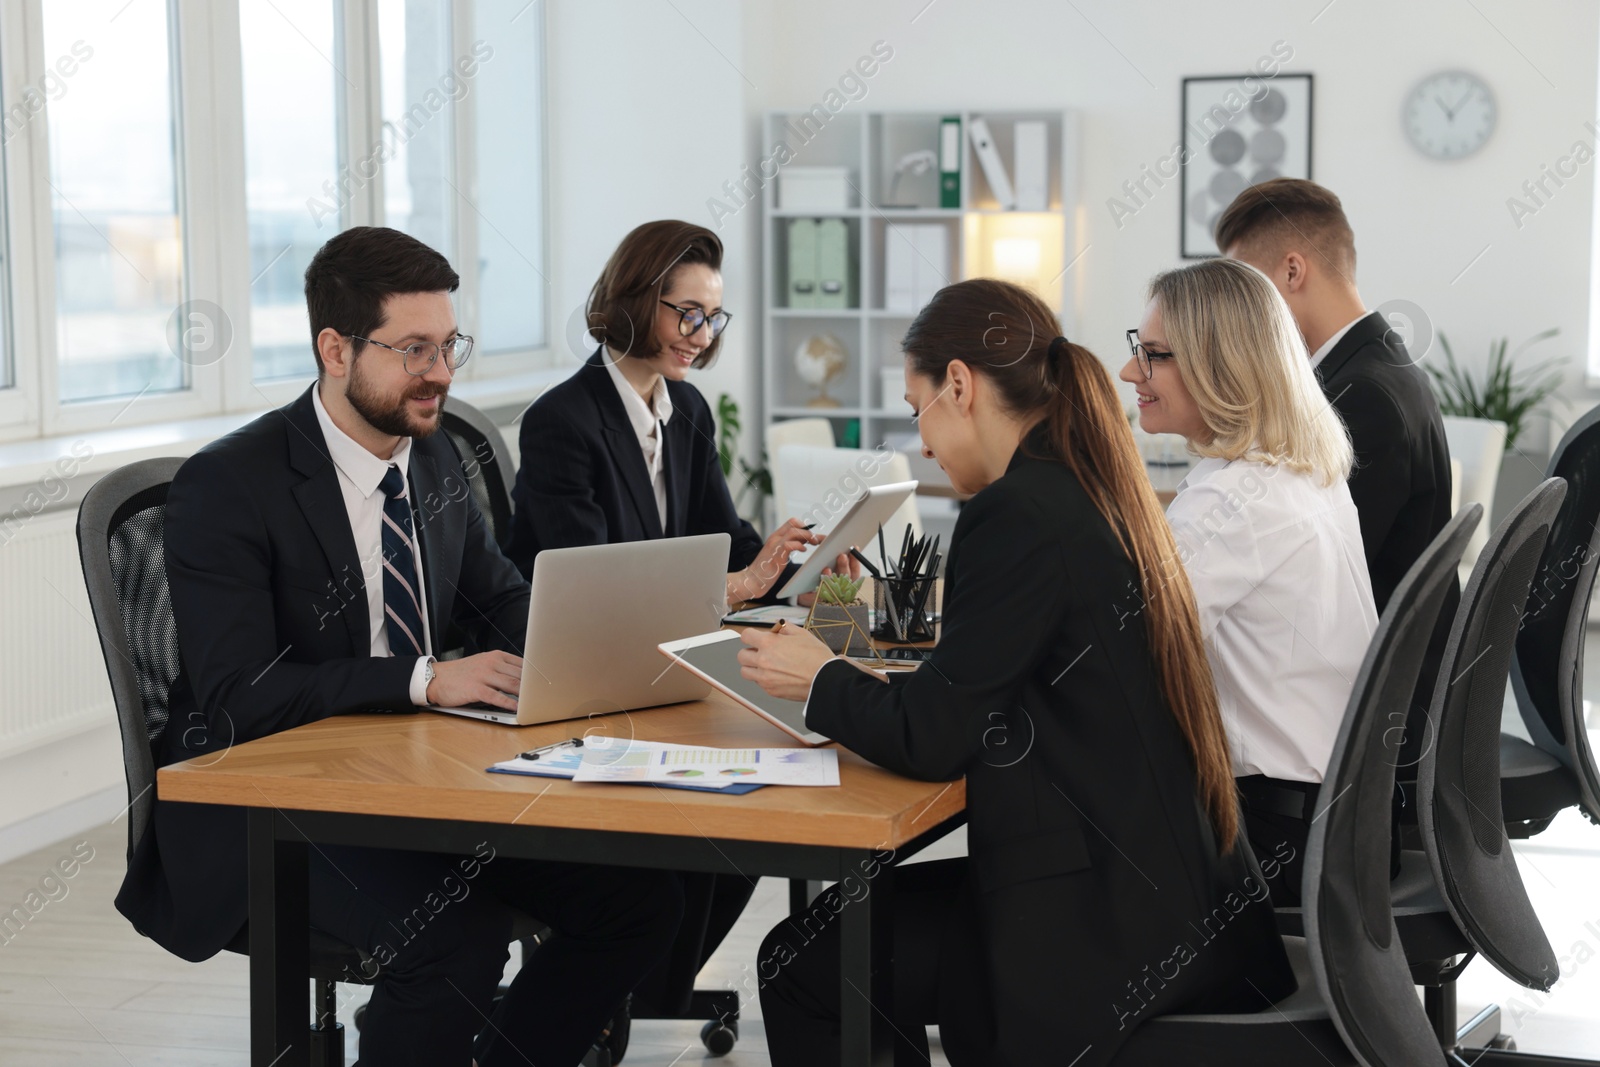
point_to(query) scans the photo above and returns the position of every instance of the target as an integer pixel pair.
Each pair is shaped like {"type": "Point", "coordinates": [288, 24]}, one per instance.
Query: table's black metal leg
{"type": "Point", "coordinates": [280, 945]}
{"type": "Point", "coordinates": [866, 976]}
{"type": "Point", "coordinates": [801, 894]}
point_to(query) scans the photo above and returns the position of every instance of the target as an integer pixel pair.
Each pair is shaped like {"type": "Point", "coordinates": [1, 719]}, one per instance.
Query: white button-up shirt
{"type": "Point", "coordinates": [359, 474]}
{"type": "Point", "coordinates": [1286, 609]}
{"type": "Point", "coordinates": [649, 423]}
{"type": "Point", "coordinates": [1327, 346]}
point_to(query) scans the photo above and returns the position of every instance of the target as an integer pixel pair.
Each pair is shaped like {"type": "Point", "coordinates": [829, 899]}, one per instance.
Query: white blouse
{"type": "Point", "coordinates": [649, 423]}
{"type": "Point", "coordinates": [1286, 608]}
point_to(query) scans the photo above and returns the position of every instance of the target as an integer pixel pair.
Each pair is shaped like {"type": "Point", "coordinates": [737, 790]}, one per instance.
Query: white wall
{"type": "Point", "coordinates": [1418, 223]}
{"type": "Point", "coordinates": [646, 107]}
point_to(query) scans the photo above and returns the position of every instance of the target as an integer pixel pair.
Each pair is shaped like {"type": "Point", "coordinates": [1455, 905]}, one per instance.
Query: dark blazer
{"type": "Point", "coordinates": [271, 612]}
{"type": "Point", "coordinates": [1101, 898]}
{"type": "Point", "coordinates": [583, 480]}
{"type": "Point", "coordinates": [1401, 480]}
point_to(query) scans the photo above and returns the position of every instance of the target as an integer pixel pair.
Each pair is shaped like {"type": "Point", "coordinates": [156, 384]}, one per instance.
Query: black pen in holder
{"type": "Point", "coordinates": [903, 608]}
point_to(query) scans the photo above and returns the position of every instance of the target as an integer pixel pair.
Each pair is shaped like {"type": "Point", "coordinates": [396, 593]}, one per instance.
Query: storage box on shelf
{"type": "Point", "coordinates": [899, 246]}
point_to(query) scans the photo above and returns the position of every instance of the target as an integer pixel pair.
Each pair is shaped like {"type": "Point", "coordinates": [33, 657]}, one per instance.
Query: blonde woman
{"type": "Point", "coordinates": [1266, 531]}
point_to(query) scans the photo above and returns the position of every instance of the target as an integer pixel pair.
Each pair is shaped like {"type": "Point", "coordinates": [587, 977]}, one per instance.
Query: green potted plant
{"type": "Point", "coordinates": [756, 480]}
{"type": "Point", "coordinates": [839, 616]}
{"type": "Point", "coordinates": [1506, 393]}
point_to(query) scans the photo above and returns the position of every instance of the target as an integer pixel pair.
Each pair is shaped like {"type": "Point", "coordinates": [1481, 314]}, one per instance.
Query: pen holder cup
{"type": "Point", "coordinates": [903, 609]}
{"type": "Point", "coordinates": [843, 628]}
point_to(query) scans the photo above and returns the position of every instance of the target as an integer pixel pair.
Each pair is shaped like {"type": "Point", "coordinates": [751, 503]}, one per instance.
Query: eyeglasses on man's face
{"type": "Point", "coordinates": [1144, 355]}
{"type": "Point", "coordinates": [691, 319]}
{"type": "Point", "coordinates": [419, 358]}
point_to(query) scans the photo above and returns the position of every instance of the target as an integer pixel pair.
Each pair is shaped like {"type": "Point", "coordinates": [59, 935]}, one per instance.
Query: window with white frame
{"type": "Point", "coordinates": [168, 170]}
{"type": "Point", "coordinates": [293, 92]}
{"type": "Point", "coordinates": [114, 200]}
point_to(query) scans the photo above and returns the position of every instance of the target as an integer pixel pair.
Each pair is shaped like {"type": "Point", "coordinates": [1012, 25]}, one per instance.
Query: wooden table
{"type": "Point", "coordinates": [418, 781]}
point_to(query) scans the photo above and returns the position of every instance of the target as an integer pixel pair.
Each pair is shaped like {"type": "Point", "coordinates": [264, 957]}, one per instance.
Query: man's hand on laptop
{"type": "Point", "coordinates": [487, 678]}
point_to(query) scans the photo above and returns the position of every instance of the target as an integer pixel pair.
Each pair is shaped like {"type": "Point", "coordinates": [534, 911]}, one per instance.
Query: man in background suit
{"type": "Point", "coordinates": [315, 556]}
{"type": "Point", "coordinates": [1295, 232]}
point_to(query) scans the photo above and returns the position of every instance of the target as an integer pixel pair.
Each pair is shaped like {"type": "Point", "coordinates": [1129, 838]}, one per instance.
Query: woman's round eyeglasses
{"type": "Point", "coordinates": [1144, 355]}
{"type": "Point", "coordinates": [691, 319]}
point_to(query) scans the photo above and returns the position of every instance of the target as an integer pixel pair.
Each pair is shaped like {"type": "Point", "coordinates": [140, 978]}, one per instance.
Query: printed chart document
{"type": "Point", "coordinates": [684, 765]}
{"type": "Point", "coordinates": [565, 762]}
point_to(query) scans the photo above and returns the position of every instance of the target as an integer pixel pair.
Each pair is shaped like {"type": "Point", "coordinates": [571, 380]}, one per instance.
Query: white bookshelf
{"type": "Point", "coordinates": [870, 144]}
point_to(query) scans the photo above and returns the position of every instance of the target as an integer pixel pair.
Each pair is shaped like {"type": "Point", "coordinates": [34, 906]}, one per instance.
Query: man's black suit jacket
{"type": "Point", "coordinates": [1092, 863]}
{"type": "Point", "coordinates": [1401, 480]}
{"type": "Point", "coordinates": [583, 480]}
{"type": "Point", "coordinates": [271, 612]}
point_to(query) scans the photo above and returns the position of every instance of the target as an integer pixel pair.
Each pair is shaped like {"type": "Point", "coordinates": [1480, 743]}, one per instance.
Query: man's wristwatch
{"type": "Point", "coordinates": [427, 675]}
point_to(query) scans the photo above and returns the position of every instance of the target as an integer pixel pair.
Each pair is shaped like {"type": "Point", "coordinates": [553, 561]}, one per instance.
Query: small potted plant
{"type": "Point", "coordinates": [839, 617]}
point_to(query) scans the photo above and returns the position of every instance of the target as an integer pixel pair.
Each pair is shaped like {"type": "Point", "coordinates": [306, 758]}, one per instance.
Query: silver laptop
{"type": "Point", "coordinates": [595, 619]}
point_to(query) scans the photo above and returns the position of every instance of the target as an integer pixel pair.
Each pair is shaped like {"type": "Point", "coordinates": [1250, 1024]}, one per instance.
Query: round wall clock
{"type": "Point", "coordinates": [1449, 115]}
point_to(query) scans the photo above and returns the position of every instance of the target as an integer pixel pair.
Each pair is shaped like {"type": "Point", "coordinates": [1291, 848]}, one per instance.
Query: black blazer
{"type": "Point", "coordinates": [271, 612]}
{"type": "Point", "coordinates": [583, 480]}
{"type": "Point", "coordinates": [1092, 865]}
{"type": "Point", "coordinates": [1401, 480]}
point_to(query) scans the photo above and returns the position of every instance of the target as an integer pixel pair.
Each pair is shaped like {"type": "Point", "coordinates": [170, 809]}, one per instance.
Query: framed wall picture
{"type": "Point", "coordinates": [1238, 131]}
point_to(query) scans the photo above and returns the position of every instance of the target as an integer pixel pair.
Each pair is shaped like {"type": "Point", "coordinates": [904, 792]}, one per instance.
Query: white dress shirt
{"type": "Point", "coordinates": [649, 424]}
{"type": "Point", "coordinates": [1286, 609]}
{"type": "Point", "coordinates": [359, 474]}
{"type": "Point", "coordinates": [1327, 346]}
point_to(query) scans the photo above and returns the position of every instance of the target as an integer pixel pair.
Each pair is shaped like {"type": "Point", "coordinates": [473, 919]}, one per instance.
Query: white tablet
{"type": "Point", "coordinates": [715, 658]}
{"type": "Point", "coordinates": [856, 528]}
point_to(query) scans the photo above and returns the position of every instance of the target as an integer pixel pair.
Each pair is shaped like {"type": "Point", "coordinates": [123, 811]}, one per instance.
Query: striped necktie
{"type": "Point", "coordinates": [401, 607]}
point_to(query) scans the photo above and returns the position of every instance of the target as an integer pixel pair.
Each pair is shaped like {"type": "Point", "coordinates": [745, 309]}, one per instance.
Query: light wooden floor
{"type": "Point", "coordinates": [79, 988]}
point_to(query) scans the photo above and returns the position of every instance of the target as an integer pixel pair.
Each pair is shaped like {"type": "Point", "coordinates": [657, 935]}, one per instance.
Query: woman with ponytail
{"type": "Point", "coordinates": [1267, 533]}
{"type": "Point", "coordinates": [1107, 882]}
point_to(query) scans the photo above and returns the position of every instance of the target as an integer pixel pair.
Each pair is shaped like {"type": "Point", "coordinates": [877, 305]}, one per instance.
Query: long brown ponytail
{"type": "Point", "coordinates": [1007, 334]}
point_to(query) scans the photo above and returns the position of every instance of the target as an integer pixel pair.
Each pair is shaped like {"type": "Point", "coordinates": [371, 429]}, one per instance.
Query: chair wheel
{"type": "Point", "coordinates": [718, 1037]}
{"type": "Point", "coordinates": [1503, 1041]}
{"type": "Point", "coordinates": [616, 1036]}
{"type": "Point", "coordinates": [360, 1016]}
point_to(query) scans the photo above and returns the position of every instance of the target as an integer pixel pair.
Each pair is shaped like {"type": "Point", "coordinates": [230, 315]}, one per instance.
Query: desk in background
{"type": "Point", "coordinates": [934, 483]}
{"type": "Point", "coordinates": [418, 781]}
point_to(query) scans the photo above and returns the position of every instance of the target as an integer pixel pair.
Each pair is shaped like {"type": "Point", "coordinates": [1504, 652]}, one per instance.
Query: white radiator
{"type": "Point", "coordinates": [52, 678]}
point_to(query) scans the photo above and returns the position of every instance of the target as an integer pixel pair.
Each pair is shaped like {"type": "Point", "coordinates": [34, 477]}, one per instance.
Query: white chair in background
{"type": "Point", "coordinates": [1478, 445]}
{"type": "Point", "coordinates": [817, 432]}
{"type": "Point", "coordinates": [819, 484]}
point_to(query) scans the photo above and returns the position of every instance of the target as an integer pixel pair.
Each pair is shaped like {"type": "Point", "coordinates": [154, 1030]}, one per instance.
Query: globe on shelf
{"type": "Point", "coordinates": [819, 360]}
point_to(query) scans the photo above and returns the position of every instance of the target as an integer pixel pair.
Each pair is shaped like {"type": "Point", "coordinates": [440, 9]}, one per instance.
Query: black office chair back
{"type": "Point", "coordinates": [1458, 781]}
{"type": "Point", "coordinates": [121, 544]}
{"type": "Point", "coordinates": [487, 462]}
{"type": "Point", "coordinates": [1356, 956]}
{"type": "Point", "coordinates": [1547, 673]}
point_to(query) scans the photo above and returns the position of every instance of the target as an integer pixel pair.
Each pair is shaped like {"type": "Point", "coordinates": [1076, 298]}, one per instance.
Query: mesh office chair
{"type": "Point", "coordinates": [486, 460]}
{"type": "Point", "coordinates": [121, 543]}
{"type": "Point", "coordinates": [1459, 780]}
{"type": "Point", "coordinates": [1356, 1004]}
{"type": "Point", "coordinates": [121, 527]}
{"type": "Point", "coordinates": [1557, 770]}
{"type": "Point", "coordinates": [490, 476]}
